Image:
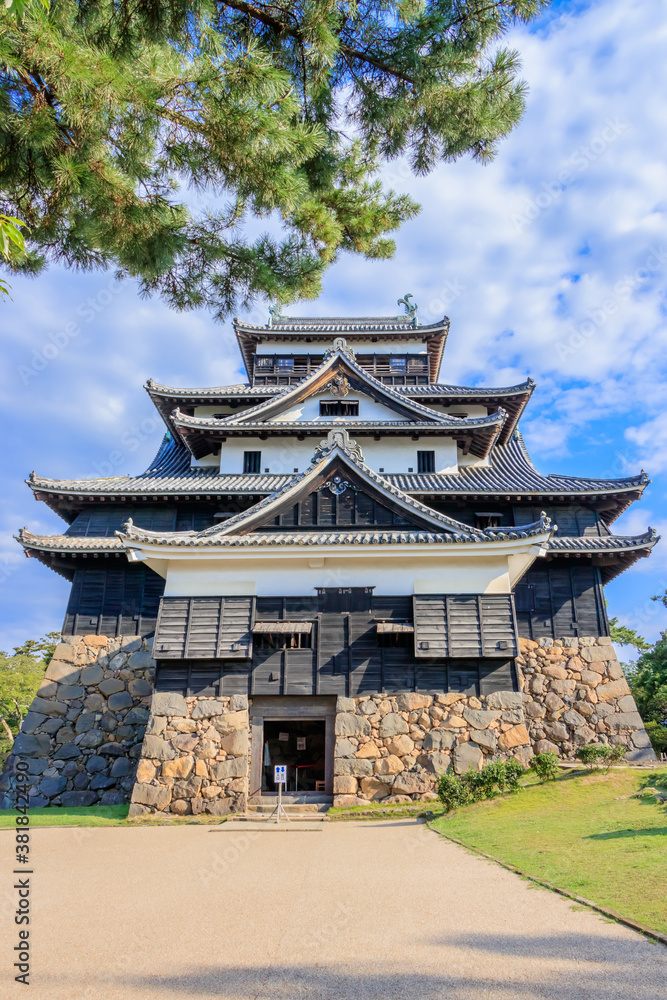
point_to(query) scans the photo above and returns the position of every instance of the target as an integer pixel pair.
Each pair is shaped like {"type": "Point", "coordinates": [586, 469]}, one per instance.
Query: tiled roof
{"type": "Point", "coordinates": [323, 538]}
{"type": "Point", "coordinates": [510, 472]}
{"type": "Point", "coordinates": [593, 543]}
{"type": "Point", "coordinates": [67, 543]}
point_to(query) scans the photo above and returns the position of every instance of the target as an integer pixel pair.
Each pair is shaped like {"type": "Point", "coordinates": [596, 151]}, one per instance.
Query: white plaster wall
{"type": "Point", "coordinates": [209, 411]}
{"type": "Point", "coordinates": [281, 455]}
{"type": "Point", "coordinates": [290, 575]}
{"type": "Point", "coordinates": [471, 411]}
{"type": "Point", "coordinates": [309, 410]}
{"type": "Point", "coordinates": [286, 348]}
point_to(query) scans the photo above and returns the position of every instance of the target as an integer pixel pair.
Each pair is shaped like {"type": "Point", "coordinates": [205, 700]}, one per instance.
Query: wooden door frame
{"type": "Point", "coordinates": [275, 708]}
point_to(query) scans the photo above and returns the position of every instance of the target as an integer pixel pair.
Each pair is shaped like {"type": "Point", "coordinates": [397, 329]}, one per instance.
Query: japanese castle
{"type": "Point", "coordinates": [342, 524]}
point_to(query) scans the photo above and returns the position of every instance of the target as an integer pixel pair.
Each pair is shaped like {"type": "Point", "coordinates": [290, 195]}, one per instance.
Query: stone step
{"type": "Point", "coordinates": [310, 809]}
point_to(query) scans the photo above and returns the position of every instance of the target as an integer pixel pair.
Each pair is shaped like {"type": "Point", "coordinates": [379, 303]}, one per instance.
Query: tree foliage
{"type": "Point", "coordinates": [261, 111]}
{"type": "Point", "coordinates": [625, 636]}
{"type": "Point", "coordinates": [20, 676]}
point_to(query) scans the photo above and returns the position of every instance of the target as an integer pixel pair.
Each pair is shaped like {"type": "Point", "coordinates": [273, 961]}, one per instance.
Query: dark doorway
{"type": "Point", "coordinates": [300, 745]}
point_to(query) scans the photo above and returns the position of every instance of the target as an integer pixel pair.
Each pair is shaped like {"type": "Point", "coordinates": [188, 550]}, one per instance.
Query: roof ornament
{"type": "Point", "coordinates": [338, 438]}
{"type": "Point", "coordinates": [275, 314]}
{"type": "Point", "coordinates": [410, 308]}
{"type": "Point", "coordinates": [337, 486]}
{"type": "Point", "coordinates": [338, 387]}
{"type": "Point", "coordinates": [339, 344]}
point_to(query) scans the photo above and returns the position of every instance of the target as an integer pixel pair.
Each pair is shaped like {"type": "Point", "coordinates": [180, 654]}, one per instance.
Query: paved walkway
{"type": "Point", "coordinates": [361, 911]}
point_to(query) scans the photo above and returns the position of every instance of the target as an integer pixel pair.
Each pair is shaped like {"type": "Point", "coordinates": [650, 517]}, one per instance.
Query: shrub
{"type": "Point", "coordinates": [474, 786]}
{"type": "Point", "coordinates": [658, 736]}
{"type": "Point", "coordinates": [602, 754]}
{"type": "Point", "coordinates": [545, 765]}
{"type": "Point", "coordinates": [588, 755]}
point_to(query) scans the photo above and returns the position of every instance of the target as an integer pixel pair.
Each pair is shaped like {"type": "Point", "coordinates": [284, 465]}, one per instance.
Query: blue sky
{"type": "Point", "coordinates": [551, 262]}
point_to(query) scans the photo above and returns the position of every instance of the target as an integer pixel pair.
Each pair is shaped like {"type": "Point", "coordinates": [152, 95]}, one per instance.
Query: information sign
{"type": "Point", "coordinates": [280, 774]}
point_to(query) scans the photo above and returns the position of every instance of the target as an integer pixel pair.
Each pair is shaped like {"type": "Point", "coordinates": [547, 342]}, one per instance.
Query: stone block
{"type": "Point", "coordinates": [68, 751]}
{"type": "Point", "coordinates": [95, 640]}
{"type": "Point", "coordinates": [358, 768]}
{"type": "Point", "coordinates": [180, 767]}
{"type": "Point", "coordinates": [102, 781]}
{"type": "Point", "coordinates": [92, 675]}
{"type": "Point", "coordinates": [112, 685]}
{"type": "Point", "coordinates": [513, 715]}
{"type": "Point", "coordinates": [113, 798]}
{"type": "Point", "coordinates": [91, 740]}
{"type": "Point", "coordinates": [238, 703]}
{"type": "Point", "coordinates": [32, 721]}
{"type": "Point", "coordinates": [466, 756]}
{"type": "Point", "coordinates": [594, 654]}
{"type": "Point", "coordinates": [392, 724]}
{"type": "Point", "coordinates": [62, 672]}
{"type": "Point", "coordinates": [157, 748]}
{"type": "Point", "coordinates": [235, 743]}
{"type": "Point", "coordinates": [627, 704]}
{"type": "Point", "coordinates": [156, 725]}
{"type": "Point", "coordinates": [141, 659]}
{"type": "Point", "coordinates": [555, 671]}
{"type": "Point", "coordinates": [368, 751]}
{"type": "Point", "coordinates": [146, 771]}
{"type": "Point", "coordinates": [478, 719]}
{"type": "Point", "coordinates": [345, 705]}
{"type": "Point", "coordinates": [624, 720]}
{"type": "Point", "coordinates": [96, 764]}
{"type": "Point", "coordinates": [534, 710]}
{"type": "Point", "coordinates": [119, 701]}
{"type": "Point", "coordinates": [401, 745]}
{"type": "Point", "coordinates": [344, 748]}
{"type": "Point", "coordinates": [572, 718]}
{"type": "Point", "coordinates": [641, 755]}
{"type": "Point", "coordinates": [439, 739]}
{"type": "Point", "coordinates": [409, 783]}
{"type": "Point", "coordinates": [208, 709]}
{"type": "Point", "coordinates": [155, 796]}
{"type": "Point", "coordinates": [612, 690]}
{"type": "Point", "coordinates": [546, 746]}
{"type": "Point", "coordinates": [563, 687]}
{"type": "Point", "coordinates": [438, 762]}
{"type": "Point", "coordinates": [26, 745]}
{"type": "Point", "coordinates": [413, 702]}
{"type": "Point", "coordinates": [52, 786]}
{"type": "Point", "coordinates": [640, 739]}
{"type": "Point", "coordinates": [557, 732]}
{"type": "Point", "coordinates": [486, 738]}
{"type": "Point", "coordinates": [47, 689]}
{"type": "Point", "coordinates": [139, 687]}
{"type": "Point", "coordinates": [515, 737]}
{"type": "Point", "coordinates": [186, 742]}
{"type": "Point", "coordinates": [614, 671]}
{"type": "Point", "coordinates": [374, 788]}
{"type": "Point", "coordinates": [221, 806]}
{"type": "Point", "coordinates": [235, 768]}
{"type": "Point", "coordinates": [45, 706]}
{"type": "Point", "coordinates": [355, 725]}
{"type": "Point", "coordinates": [187, 789]}
{"type": "Point", "coordinates": [121, 767]}
{"type": "Point", "coordinates": [504, 699]}
{"type": "Point", "coordinates": [169, 703]}
{"type": "Point", "coordinates": [231, 722]}
{"type": "Point", "coordinates": [85, 798]}
{"type": "Point", "coordinates": [137, 716]}
{"type": "Point", "coordinates": [345, 784]}
{"type": "Point", "coordinates": [70, 692]}
{"type": "Point", "coordinates": [388, 765]}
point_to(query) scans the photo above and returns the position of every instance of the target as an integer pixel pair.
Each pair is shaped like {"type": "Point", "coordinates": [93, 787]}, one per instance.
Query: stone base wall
{"type": "Point", "coordinates": [82, 736]}
{"type": "Point", "coordinates": [194, 757]}
{"type": "Point", "coordinates": [96, 733]}
{"type": "Point", "coordinates": [575, 693]}
{"type": "Point", "coordinates": [393, 748]}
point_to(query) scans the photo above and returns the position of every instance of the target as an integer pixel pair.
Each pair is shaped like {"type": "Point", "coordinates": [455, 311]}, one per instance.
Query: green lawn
{"type": "Point", "coordinates": [100, 816]}
{"type": "Point", "coordinates": [587, 833]}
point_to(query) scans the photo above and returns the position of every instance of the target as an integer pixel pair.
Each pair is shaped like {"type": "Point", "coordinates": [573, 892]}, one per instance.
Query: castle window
{"type": "Point", "coordinates": [264, 362]}
{"type": "Point", "coordinates": [252, 462]}
{"type": "Point", "coordinates": [282, 635]}
{"type": "Point", "coordinates": [339, 408]}
{"type": "Point", "coordinates": [285, 363]}
{"type": "Point", "coordinates": [425, 461]}
{"type": "Point", "coordinates": [397, 364]}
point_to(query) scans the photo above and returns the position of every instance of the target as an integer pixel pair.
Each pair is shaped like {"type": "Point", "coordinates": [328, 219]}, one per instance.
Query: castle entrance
{"type": "Point", "coordinates": [299, 733]}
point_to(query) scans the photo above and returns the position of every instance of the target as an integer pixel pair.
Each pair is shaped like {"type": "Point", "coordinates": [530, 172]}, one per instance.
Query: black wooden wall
{"type": "Point", "coordinates": [561, 598]}
{"type": "Point", "coordinates": [121, 601]}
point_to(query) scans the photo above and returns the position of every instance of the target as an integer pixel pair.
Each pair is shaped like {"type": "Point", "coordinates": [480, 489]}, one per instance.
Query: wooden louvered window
{"type": "Point", "coordinates": [252, 462]}
{"type": "Point", "coordinates": [425, 461]}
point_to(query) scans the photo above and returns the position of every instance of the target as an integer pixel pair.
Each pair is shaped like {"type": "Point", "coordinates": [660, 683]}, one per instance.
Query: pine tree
{"type": "Point", "coordinates": [146, 135]}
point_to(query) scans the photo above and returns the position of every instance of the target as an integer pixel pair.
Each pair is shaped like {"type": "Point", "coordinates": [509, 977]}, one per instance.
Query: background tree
{"type": "Point", "coordinates": [20, 676]}
{"type": "Point", "coordinates": [282, 112]}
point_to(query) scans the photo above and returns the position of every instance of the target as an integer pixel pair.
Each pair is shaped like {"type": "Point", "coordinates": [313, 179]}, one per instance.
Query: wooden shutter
{"type": "Point", "coordinates": [464, 625]}
{"type": "Point", "coordinates": [204, 628]}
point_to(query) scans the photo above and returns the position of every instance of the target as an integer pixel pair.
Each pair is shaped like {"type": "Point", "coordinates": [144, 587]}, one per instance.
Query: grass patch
{"type": "Point", "coordinates": [102, 816]}
{"type": "Point", "coordinates": [593, 834]}
{"type": "Point", "coordinates": [70, 816]}
{"type": "Point", "coordinates": [376, 810]}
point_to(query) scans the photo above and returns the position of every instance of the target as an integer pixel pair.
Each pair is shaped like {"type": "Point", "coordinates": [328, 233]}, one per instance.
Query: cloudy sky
{"type": "Point", "coordinates": [551, 262]}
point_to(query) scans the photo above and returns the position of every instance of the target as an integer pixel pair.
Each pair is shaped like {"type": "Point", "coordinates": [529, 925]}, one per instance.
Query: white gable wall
{"type": "Point", "coordinates": [309, 410]}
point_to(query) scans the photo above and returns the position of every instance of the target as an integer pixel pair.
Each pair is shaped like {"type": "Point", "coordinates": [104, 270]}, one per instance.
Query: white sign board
{"type": "Point", "coordinates": [301, 742]}
{"type": "Point", "coordinates": [280, 774]}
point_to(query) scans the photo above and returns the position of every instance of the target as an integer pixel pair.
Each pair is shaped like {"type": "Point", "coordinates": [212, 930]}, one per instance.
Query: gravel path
{"type": "Point", "coordinates": [350, 911]}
